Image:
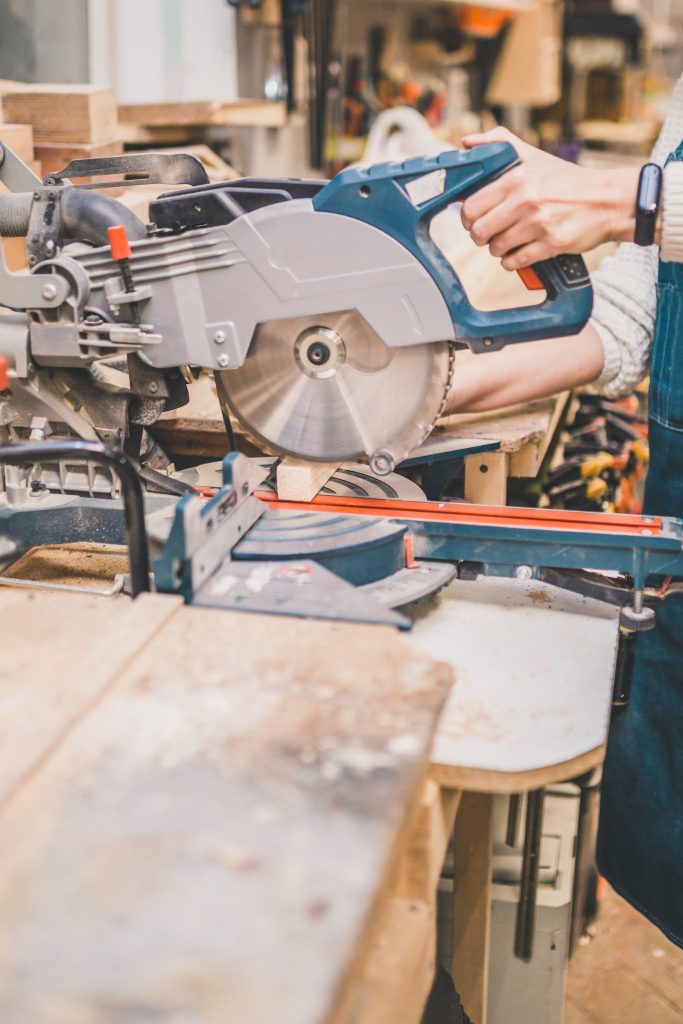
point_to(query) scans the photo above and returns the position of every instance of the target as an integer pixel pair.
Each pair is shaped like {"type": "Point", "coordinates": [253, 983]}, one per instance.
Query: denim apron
{"type": "Point", "coordinates": [640, 842]}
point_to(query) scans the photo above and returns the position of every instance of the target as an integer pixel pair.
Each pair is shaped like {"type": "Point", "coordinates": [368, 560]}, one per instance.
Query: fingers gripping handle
{"type": "Point", "coordinates": [402, 199]}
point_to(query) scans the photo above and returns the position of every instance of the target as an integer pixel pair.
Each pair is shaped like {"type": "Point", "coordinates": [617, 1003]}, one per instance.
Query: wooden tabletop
{"type": "Point", "coordinates": [197, 807]}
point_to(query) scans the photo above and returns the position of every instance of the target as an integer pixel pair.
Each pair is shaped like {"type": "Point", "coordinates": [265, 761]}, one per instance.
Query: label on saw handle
{"type": "Point", "coordinates": [386, 197]}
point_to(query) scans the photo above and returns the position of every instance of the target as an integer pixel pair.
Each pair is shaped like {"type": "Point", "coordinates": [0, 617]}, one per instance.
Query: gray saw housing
{"type": "Point", "coordinates": [209, 289]}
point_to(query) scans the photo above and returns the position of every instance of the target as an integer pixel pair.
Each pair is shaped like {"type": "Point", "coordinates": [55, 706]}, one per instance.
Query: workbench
{"type": "Point", "coordinates": [236, 817]}
{"type": "Point", "coordinates": [200, 811]}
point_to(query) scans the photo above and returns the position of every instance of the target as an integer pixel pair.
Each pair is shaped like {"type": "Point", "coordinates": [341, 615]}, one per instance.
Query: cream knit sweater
{"type": "Point", "coordinates": [625, 294]}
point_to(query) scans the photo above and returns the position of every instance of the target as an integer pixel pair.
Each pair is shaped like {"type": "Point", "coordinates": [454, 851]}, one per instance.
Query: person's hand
{"type": "Point", "coordinates": [547, 206]}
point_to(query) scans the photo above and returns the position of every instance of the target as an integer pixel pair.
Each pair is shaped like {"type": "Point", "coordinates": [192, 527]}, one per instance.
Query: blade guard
{"type": "Point", "coordinates": [378, 196]}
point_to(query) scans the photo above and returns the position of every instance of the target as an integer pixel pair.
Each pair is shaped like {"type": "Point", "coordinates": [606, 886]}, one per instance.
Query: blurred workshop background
{"type": "Point", "coordinates": [582, 77]}
{"type": "Point", "coordinates": [302, 88]}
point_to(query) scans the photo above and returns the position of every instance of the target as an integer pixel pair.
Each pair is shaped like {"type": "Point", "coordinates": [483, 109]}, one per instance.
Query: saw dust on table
{"type": "Point", "coordinates": [84, 564]}
{"type": "Point", "coordinates": [250, 776]}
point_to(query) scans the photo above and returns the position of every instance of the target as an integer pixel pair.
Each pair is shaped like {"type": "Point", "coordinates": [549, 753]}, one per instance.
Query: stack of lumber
{"type": "Point", "coordinates": [70, 122]}
{"type": "Point", "coordinates": [49, 125]}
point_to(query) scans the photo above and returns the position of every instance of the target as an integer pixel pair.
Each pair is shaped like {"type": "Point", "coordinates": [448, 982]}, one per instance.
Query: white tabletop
{"type": "Point", "coordinates": [533, 666]}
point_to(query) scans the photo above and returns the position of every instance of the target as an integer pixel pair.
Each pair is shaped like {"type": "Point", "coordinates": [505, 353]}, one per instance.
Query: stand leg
{"type": "Point", "coordinates": [472, 902]}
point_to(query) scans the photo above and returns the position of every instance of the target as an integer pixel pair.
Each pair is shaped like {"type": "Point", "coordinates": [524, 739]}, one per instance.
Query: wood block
{"type": "Point", "coordinates": [64, 113]}
{"type": "Point", "coordinates": [301, 481]}
{"type": "Point", "coordinates": [528, 459]}
{"type": "Point", "coordinates": [54, 156]}
{"type": "Point", "coordinates": [528, 69]}
{"type": "Point", "coordinates": [19, 138]}
{"type": "Point", "coordinates": [242, 113]}
{"type": "Point", "coordinates": [161, 135]}
{"type": "Point", "coordinates": [486, 478]}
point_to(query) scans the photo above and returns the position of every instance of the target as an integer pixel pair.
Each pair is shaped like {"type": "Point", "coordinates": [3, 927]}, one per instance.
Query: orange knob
{"type": "Point", "coordinates": [4, 374]}
{"type": "Point", "coordinates": [118, 241]}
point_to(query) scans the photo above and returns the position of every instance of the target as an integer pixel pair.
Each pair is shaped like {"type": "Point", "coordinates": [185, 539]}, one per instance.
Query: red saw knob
{"type": "Point", "coordinates": [4, 374]}
{"type": "Point", "coordinates": [118, 242]}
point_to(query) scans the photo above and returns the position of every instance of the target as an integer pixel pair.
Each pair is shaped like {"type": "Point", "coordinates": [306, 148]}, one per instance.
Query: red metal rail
{"type": "Point", "coordinates": [482, 515]}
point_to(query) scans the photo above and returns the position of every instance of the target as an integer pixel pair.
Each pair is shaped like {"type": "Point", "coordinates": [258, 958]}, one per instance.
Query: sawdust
{"type": "Point", "coordinates": [303, 699]}
{"type": "Point", "coordinates": [84, 564]}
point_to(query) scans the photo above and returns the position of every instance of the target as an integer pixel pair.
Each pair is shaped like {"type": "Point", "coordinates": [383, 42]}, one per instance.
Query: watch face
{"type": "Point", "coordinates": [647, 204]}
{"type": "Point", "coordinates": [649, 189]}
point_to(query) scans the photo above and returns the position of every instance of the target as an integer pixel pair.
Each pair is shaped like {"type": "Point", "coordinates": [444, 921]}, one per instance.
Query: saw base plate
{"type": "Point", "coordinates": [351, 480]}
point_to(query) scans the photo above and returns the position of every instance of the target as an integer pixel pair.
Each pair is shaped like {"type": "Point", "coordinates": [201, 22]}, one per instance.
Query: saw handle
{"type": "Point", "coordinates": [401, 200]}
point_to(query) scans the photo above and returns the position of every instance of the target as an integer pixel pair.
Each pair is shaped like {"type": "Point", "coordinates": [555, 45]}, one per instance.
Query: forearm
{"type": "Point", "coordinates": [522, 373]}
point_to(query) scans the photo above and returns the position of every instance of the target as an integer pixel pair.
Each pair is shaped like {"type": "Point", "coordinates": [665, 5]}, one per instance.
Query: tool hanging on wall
{"type": "Point", "coordinates": [318, 23]}
{"type": "Point", "coordinates": [290, 13]}
{"type": "Point", "coordinates": [605, 456]}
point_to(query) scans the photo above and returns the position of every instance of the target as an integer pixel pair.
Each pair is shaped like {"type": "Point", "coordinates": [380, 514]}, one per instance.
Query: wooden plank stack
{"type": "Point", "coordinates": [69, 122]}
{"type": "Point", "coordinates": [64, 113]}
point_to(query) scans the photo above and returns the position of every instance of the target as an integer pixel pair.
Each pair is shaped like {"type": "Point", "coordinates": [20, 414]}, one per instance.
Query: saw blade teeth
{"type": "Point", "coordinates": [327, 388]}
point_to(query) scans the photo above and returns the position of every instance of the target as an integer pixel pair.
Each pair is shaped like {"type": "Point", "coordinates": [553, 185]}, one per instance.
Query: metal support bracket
{"type": "Point", "coordinates": [14, 173]}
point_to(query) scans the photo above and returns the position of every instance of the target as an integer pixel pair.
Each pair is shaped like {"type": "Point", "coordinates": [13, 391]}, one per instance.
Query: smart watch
{"type": "Point", "coordinates": [647, 203]}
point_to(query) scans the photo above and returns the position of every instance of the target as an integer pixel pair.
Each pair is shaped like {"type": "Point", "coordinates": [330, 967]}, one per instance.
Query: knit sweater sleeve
{"type": "Point", "coordinates": [625, 285]}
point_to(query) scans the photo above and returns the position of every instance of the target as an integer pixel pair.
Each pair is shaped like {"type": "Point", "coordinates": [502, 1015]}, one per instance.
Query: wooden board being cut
{"type": "Point", "coordinates": [64, 113]}
{"type": "Point", "coordinates": [210, 841]}
{"type": "Point", "coordinates": [301, 481]}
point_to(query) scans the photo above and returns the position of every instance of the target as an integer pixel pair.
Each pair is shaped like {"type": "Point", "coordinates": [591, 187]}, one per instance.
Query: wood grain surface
{"type": "Point", "coordinates": [208, 844]}
{"type": "Point", "coordinates": [64, 113]}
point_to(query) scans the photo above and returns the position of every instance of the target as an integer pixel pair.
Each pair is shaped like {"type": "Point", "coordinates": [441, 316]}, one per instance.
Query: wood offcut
{"type": "Point", "coordinates": [301, 481]}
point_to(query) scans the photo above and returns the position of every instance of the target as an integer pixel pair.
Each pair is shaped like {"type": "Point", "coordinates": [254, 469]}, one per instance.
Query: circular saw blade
{"type": "Point", "coordinates": [326, 388]}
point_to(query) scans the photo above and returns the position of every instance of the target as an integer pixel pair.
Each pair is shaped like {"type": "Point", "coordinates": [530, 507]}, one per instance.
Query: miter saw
{"type": "Point", "coordinates": [325, 310]}
{"type": "Point", "coordinates": [330, 319]}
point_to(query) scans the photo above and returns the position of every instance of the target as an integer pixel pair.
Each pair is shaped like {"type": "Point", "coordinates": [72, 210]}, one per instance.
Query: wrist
{"type": "Point", "coordinates": [621, 189]}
